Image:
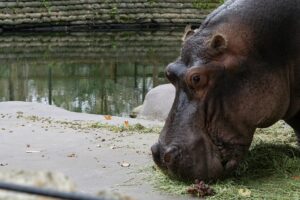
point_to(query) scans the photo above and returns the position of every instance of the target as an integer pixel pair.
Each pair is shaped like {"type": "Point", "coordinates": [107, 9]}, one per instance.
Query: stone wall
{"type": "Point", "coordinates": [83, 14]}
{"type": "Point", "coordinates": [157, 48]}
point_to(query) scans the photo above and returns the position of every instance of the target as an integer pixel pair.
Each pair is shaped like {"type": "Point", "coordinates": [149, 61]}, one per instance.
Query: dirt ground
{"type": "Point", "coordinates": [36, 137]}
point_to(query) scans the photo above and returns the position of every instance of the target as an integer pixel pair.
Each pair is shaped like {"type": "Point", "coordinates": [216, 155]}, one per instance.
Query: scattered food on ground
{"type": "Point", "coordinates": [125, 164]}
{"type": "Point", "coordinates": [72, 155]}
{"type": "Point", "coordinates": [245, 192]}
{"type": "Point", "coordinates": [200, 189]}
{"type": "Point", "coordinates": [107, 117]}
{"type": "Point", "coordinates": [33, 151]}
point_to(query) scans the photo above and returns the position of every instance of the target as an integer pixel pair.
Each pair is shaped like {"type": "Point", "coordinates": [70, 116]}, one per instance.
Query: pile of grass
{"type": "Point", "coordinates": [271, 170]}
{"type": "Point", "coordinates": [82, 125]}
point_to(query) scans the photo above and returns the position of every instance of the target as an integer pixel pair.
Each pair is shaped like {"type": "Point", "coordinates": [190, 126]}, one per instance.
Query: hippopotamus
{"type": "Point", "coordinates": [240, 70]}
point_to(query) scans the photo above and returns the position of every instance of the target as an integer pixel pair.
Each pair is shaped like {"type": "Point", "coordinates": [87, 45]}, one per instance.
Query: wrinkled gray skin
{"type": "Point", "coordinates": [239, 71]}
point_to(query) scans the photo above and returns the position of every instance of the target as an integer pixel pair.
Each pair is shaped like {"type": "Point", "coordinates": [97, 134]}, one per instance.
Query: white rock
{"type": "Point", "coordinates": [157, 103]}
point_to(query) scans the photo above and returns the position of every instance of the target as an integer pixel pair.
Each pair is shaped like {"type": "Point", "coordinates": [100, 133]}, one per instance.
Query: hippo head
{"type": "Point", "coordinates": [223, 93]}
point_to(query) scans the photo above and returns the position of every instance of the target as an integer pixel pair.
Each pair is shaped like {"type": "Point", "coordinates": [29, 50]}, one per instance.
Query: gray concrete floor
{"type": "Point", "coordinates": [91, 157]}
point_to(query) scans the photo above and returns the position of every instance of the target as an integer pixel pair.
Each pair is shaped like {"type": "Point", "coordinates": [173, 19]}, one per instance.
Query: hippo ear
{"type": "Point", "coordinates": [218, 43]}
{"type": "Point", "coordinates": [188, 32]}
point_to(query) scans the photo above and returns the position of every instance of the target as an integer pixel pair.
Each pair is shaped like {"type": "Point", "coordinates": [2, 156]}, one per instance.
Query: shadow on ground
{"type": "Point", "coordinates": [270, 160]}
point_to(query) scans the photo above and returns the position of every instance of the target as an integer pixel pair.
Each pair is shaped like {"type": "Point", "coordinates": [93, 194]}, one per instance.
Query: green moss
{"type": "Point", "coordinates": [271, 170]}
{"type": "Point", "coordinates": [126, 19]}
{"type": "Point", "coordinates": [152, 1]}
{"type": "Point", "coordinates": [207, 4]}
{"type": "Point", "coordinates": [113, 12]}
{"type": "Point", "coordinates": [46, 4]}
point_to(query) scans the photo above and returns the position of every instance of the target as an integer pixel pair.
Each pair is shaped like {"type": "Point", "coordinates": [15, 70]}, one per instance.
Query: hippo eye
{"type": "Point", "coordinates": [197, 81]}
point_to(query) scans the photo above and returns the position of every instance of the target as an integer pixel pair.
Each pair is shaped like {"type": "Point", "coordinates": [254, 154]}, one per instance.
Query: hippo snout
{"type": "Point", "coordinates": [171, 155]}
{"type": "Point", "coordinates": [165, 157]}
{"type": "Point", "coordinates": [155, 149]}
{"type": "Point", "coordinates": [187, 162]}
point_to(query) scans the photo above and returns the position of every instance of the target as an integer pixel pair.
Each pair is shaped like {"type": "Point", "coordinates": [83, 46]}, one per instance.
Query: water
{"type": "Point", "coordinates": [100, 73]}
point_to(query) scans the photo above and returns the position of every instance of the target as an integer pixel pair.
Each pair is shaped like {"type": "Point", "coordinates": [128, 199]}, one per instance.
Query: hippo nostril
{"type": "Point", "coordinates": [167, 157]}
{"type": "Point", "coordinates": [155, 149]}
{"type": "Point", "coordinates": [170, 155]}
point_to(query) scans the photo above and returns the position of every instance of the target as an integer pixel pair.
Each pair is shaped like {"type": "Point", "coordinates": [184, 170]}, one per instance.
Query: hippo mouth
{"type": "Point", "coordinates": [172, 161]}
{"type": "Point", "coordinates": [230, 155]}
{"type": "Point", "coordinates": [178, 162]}
{"type": "Point", "coordinates": [228, 162]}
{"type": "Point", "coordinates": [167, 159]}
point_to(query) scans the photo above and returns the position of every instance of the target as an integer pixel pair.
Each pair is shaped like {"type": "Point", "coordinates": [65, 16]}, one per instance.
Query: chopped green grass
{"type": "Point", "coordinates": [82, 125]}
{"type": "Point", "coordinates": [167, 184]}
{"type": "Point", "coordinates": [271, 170]}
{"type": "Point", "coordinates": [129, 128]}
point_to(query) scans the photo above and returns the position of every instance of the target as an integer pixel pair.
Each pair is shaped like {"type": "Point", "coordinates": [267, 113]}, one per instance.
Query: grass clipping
{"type": "Point", "coordinates": [271, 170]}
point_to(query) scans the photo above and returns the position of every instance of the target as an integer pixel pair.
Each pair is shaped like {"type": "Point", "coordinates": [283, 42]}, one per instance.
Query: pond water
{"type": "Point", "coordinates": [100, 73]}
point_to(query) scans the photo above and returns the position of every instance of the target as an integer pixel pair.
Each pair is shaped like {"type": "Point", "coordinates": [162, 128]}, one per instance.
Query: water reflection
{"type": "Point", "coordinates": [103, 73]}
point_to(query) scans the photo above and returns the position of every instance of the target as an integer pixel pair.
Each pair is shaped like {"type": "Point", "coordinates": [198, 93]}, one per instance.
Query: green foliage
{"type": "Point", "coordinates": [113, 12]}
{"type": "Point", "coordinates": [207, 4]}
{"type": "Point", "coordinates": [46, 4]}
{"type": "Point", "coordinates": [152, 1]}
